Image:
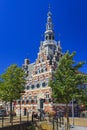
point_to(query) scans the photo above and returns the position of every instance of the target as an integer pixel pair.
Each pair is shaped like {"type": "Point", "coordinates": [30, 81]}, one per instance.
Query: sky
{"type": "Point", "coordinates": [22, 27]}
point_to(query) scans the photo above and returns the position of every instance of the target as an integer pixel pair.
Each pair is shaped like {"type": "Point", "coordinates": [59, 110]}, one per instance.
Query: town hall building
{"type": "Point", "coordinates": [38, 93]}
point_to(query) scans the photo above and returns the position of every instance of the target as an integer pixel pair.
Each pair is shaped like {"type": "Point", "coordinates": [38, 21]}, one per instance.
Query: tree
{"type": "Point", "coordinates": [65, 81]}
{"type": "Point", "coordinates": [12, 82]}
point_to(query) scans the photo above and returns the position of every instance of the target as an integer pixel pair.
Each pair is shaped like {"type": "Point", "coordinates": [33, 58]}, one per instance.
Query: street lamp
{"type": "Point", "coordinates": [22, 92]}
{"type": "Point", "coordinates": [72, 112]}
{"type": "Point", "coordinates": [20, 110]}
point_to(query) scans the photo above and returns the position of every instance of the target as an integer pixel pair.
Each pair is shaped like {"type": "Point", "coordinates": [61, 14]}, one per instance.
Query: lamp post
{"type": "Point", "coordinates": [22, 92]}
{"type": "Point", "coordinates": [72, 112]}
{"type": "Point", "coordinates": [20, 110]}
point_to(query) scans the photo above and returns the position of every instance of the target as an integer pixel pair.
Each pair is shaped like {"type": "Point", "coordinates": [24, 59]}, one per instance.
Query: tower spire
{"type": "Point", "coordinates": [49, 33]}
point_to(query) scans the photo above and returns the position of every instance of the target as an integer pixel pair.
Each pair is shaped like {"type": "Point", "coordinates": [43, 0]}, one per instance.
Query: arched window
{"type": "Point", "coordinates": [22, 101]}
{"type": "Point", "coordinates": [30, 98]}
{"type": "Point", "coordinates": [47, 97]}
{"type": "Point", "coordinates": [43, 84]}
{"type": "Point", "coordinates": [32, 86]}
{"type": "Point", "coordinates": [27, 101]}
{"type": "Point", "coordinates": [41, 70]}
{"type": "Point", "coordinates": [28, 87]}
{"type": "Point", "coordinates": [49, 37]}
{"type": "Point", "coordinates": [38, 85]}
{"type": "Point", "coordinates": [35, 99]}
{"type": "Point", "coordinates": [46, 37]}
{"type": "Point", "coordinates": [19, 101]}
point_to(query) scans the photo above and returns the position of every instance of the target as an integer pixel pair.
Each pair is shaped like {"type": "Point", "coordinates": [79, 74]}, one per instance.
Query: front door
{"type": "Point", "coordinates": [25, 111]}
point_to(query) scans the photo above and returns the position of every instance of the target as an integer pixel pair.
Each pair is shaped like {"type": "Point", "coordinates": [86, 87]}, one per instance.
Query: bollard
{"type": "Point", "coordinates": [57, 123]}
{"type": "Point", "coordinates": [32, 117]}
{"type": "Point", "coordinates": [49, 118]}
{"type": "Point", "coordinates": [53, 123]}
{"type": "Point", "coordinates": [60, 121]}
{"type": "Point", "coordinates": [40, 116]}
{"type": "Point", "coordinates": [2, 121]}
{"type": "Point", "coordinates": [12, 119]}
{"type": "Point", "coordinates": [27, 116]}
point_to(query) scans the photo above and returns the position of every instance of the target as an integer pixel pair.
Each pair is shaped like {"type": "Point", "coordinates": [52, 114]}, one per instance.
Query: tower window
{"type": "Point", "coordinates": [53, 37]}
{"type": "Point", "coordinates": [46, 37]}
{"type": "Point", "coordinates": [49, 37]}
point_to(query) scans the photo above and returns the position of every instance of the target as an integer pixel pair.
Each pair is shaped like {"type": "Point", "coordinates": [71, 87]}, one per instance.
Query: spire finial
{"type": "Point", "coordinates": [49, 7]}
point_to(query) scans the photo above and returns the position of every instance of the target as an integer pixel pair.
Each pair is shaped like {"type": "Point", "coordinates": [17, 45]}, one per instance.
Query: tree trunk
{"type": "Point", "coordinates": [67, 117]}
{"type": "Point", "coordinates": [11, 112]}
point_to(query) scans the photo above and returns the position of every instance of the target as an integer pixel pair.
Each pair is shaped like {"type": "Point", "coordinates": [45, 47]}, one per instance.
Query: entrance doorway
{"type": "Point", "coordinates": [25, 111]}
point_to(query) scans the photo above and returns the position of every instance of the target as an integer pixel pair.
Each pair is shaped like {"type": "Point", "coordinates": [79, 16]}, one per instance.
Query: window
{"type": "Point", "coordinates": [28, 87]}
{"type": "Point", "coordinates": [45, 69]}
{"type": "Point", "coordinates": [27, 101]}
{"type": "Point", "coordinates": [49, 37]}
{"type": "Point", "coordinates": [19, 102]}
{"type": "Point", "coordinates": [22, 101]}
{"type": "Point", "coordinates": [30, 99]}
{"type": "Point", "coordinates": [38, 85]}
{"type": "Point", "coordinates": [41, 70]}
{"type": "Point", "coordinates": [47, 97]}
{"type": "Point", "coordinates": [46, 37]}
{"type": "Point", "coordinates": [35, 72]}
{"type": "Point", "coordinates": [53, 37]}
{"type": "Point", "coordinates": [24, 98]}
{"type": "Point", "coordinates": [35, 99]}
{"type": "Point", "coordinates": [32, 86]}
{"type": "Point", "coordinates": [43, 84]}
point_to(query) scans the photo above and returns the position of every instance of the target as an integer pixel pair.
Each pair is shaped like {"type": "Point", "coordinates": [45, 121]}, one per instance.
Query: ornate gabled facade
{"type": "Point", "coordinates": [37, 91]}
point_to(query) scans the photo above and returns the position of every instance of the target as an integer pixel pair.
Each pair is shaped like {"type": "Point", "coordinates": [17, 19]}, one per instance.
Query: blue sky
{"type": "Point", "coordinates": [22, 24]}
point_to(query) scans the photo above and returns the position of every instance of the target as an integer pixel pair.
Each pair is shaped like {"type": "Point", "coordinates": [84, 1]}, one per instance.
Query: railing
{"type": "Point", "coordinates": [22, 126]}
{"type": "Point", "coordinates": [56, 123]}
{"type": "Point", "coordinates": [5, 121]}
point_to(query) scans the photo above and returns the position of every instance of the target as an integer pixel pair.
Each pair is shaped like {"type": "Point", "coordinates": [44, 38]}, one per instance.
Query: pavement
{"type": "Point", "coordinates": [78, 128]}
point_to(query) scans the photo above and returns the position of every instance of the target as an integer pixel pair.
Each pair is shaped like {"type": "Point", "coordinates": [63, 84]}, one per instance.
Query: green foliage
{"type": "Point", "coordinates": [12, 83]}
{"type": "Point", "coordinates": [31, 127]}
{"type": "Point", "coordinates": [66, 79]}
